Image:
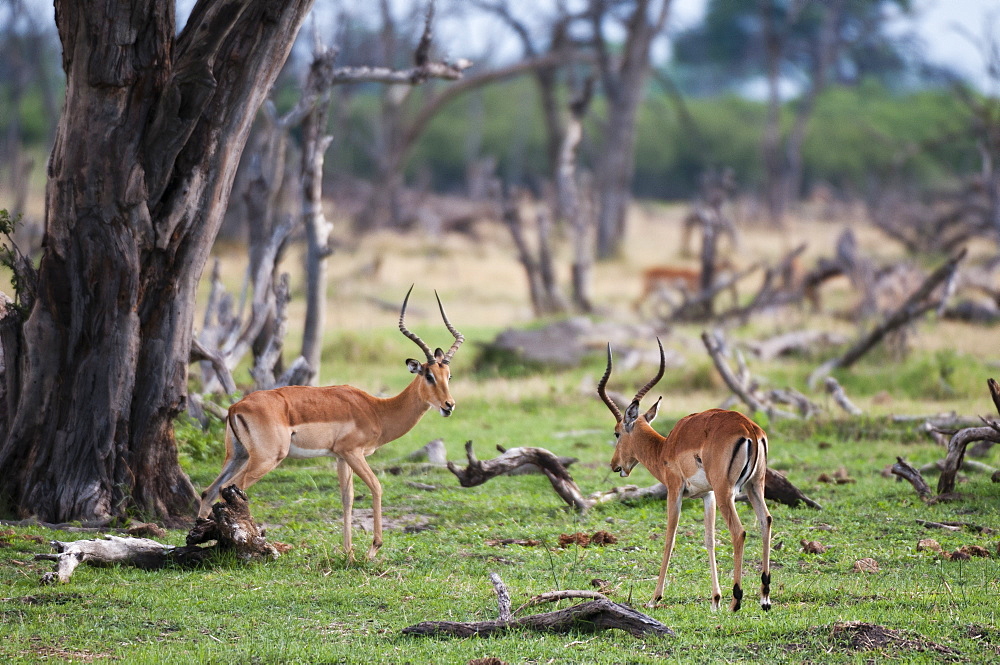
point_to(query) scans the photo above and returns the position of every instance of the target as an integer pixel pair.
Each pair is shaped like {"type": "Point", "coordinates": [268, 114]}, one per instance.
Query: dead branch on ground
{"type": "Point", "coordinates": [919, 303]}
{"type": "Point", "coordinates": [594, 615]}
{"type": "Point", "coordinates": [905, 470]}
{"type": "Point", "coordinates": [741, 387]}
{"type": "Point", "coordinates": [836, 391]}
{"type": "Point", "coordinates": [477, 473]}
{"type": "Point", "coordinates": [231, 527]}
{"type": "Point", "coordinates": [962, 438]}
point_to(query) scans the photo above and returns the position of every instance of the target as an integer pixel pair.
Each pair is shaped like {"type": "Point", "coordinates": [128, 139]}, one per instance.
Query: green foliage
{"type": "Point", "coordinates": [312, 605]}
{"type": "Point", "coordinates": [197, 444]}
{"type": "Point", "coordinates": [855, 133]}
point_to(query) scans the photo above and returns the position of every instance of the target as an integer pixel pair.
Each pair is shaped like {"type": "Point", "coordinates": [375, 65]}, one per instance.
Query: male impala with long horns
{"type": "Point", "coordinates": [713, 455]}
{"type": "Point", "coordinates": [344, 422]}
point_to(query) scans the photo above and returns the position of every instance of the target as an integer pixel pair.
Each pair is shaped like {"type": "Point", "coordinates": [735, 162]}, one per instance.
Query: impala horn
{"type": "Point", "coordinates": [416, 340]}
{"type": "Point", "coordinates": [659, 375]}
{"type": "Point", "coordinates": [602, 389]}
{"type": "Point", "coordinates": [459, 337]}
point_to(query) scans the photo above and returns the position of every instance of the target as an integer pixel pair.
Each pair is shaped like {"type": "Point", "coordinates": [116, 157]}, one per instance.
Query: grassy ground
{"type": "Point", "coordinates": [311, 605]}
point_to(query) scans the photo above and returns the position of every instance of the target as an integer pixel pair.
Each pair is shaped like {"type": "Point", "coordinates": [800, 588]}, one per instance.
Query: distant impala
{"type": "Point", "coordinates": [710, 455]}
{"type": "Point", "coordinates": [344, 422]}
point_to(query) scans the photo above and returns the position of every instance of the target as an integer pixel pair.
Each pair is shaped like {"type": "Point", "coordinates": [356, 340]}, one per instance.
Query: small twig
{"type": "Point", "coordinates": [503, 598]}
{"type": "Point", "coordinates": [556, 596]}
{"type": "Point", "coordinates": [938, 525]}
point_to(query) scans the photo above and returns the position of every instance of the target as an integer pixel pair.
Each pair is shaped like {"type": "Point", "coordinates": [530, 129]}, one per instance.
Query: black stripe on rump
{"type": "Point", "coordinates": [744, 473]}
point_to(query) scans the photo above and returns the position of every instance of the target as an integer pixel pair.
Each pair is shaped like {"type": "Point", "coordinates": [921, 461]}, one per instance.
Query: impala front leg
{"type": "Point", "coordinates": [360, 467]}
{"type": "Point", "coordinates": [674, 498]}
{"type": "Point", "coordinates": [345, 478]}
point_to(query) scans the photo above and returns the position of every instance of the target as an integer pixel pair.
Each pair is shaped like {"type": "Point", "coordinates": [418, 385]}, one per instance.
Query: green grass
{"type": "Point", "coordinates": [311, 605]}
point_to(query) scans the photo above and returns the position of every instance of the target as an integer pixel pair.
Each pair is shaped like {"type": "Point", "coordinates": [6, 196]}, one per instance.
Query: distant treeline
{"type": "Point", "coordinates": [857, 137]}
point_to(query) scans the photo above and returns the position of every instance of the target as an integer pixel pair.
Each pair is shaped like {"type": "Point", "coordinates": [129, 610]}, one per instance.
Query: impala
{"type": "Point", "coordinates": [672, 283]}
{"type": "Point", "coordinates": [712, 455]}
{"type": "Point", "coordinates": [344, 422]}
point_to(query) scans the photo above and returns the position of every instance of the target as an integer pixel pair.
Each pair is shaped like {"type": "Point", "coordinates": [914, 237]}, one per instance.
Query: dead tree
{"type": "Point", "coordinates": [923, 300]}
{"type": "Point", "coordinates": [962, 438]}
{"type": "Point", "coordinates": [538, 262]}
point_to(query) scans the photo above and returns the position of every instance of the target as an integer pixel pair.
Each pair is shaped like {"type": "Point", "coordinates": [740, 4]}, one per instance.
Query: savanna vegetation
{"type": "Point", "coordinates": [311, 605]}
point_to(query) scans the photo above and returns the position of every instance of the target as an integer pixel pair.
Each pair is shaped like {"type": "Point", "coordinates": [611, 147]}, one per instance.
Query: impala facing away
{"type": "Point", "coordinates": [711, 455]}
{"type": "Point", "coordinates": [344, 422]}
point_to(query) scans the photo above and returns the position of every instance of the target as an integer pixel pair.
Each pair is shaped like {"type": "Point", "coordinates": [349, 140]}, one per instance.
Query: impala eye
{"type": "Point", "coordinates": [618, 435]}
{"type": "Point", "coordinates": [430, 378]}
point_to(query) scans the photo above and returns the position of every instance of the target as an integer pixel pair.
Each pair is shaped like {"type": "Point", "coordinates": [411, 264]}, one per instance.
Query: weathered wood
{"type": "Point", "coordinates": [503, 598]}
{"type": "Point", "coordinates": [231, 527]}
{"type": "Point", "coordinates": [477, 473]}
{"type": "Point", "coordinates": [919, 303]}
{"type": "Point", "coordinates": [836, 391]}
{"type": "Point", "coordinates": [780, 489]}
{"type": "Point", "coordinates": [594, 615]}
{"type": "Point", "coordinates": [962, 438]}
{"type": "Point", "coordinates": [956, 453]}
{"type": "Point", "coordinates": [905, 470]}
{"type": "Point", "coordinates": [556, 596]}
{"type": "Point", "coordinates": [798, 341]}
{"type": "Point", "coordinates": [713, 344]}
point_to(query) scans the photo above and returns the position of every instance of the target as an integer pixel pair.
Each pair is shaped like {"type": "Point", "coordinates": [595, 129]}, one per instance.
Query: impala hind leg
{"type": "Point", "coordinates": [739, 535]}
{"type": "Point", "coordinates": [755, 494]}
{"type": "Point", "coordinates": [710, 546]}
{"type": "Point", "coordinates": [674, 498]}
{"type": "Point", "coordinates": [345, 478]}
{"type": "Point", "coordinates": [237, 459]}
{"type": "Point", "coordinates": [360, 466]}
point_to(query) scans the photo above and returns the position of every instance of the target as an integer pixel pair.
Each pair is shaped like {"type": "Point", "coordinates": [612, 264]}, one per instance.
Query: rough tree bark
{"type": "Point", "coordinates": [623, 80]}
{"type": "Point", "coordinates": [152, 128]}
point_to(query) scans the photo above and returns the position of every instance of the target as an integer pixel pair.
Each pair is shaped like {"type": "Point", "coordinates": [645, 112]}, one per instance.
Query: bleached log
{"type": "Point", "coordinates": [799, 341]}
{"type": "Point", "coordinates": [594, 615]}
{"type": "Point", "coordinates": [836, 391]}
{"type": "Point", "coordinates": [713, 344]}
{"type": "Point", "coordinates": [231, 527]}
{"type": "Point", "coordinates": [139, 552]}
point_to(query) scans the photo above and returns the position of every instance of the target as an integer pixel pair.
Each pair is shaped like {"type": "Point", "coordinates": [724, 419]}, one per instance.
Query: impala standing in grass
{"type": "Point", "coordinates": [344, 422]}
{"type": "Point", "coordinates": [713, 455]}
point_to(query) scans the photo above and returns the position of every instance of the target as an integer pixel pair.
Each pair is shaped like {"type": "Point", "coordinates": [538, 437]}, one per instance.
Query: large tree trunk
{"type": "Point", "coordinates": [151, 132]}
{"type": "Point", "coordinates": [623, 80]}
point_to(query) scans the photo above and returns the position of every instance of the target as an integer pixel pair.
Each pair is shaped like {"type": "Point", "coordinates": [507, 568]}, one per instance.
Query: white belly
{"type": "Point", "coordinates": [305, 453]}
{"type": "Point", "coordinates": [697, 485]}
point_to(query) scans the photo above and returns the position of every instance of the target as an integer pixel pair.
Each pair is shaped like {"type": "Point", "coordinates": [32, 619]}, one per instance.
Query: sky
{"type": "Point", "coordinates": [949, 30]}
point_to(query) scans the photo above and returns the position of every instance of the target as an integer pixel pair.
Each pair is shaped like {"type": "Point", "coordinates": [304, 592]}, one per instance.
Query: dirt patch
{"type": "Point", "coordinates": [583, 540]}
{"type": "Point", "coordinates": [362, 518]}
{"type": "Point", "coordinates": [863, 636]}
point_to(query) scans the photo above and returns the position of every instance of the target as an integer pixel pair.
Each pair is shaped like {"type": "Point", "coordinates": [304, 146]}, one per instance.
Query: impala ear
{"type": "Point", "coordinates": [413, 366]}
{"type": "Point", "coordinates": [631, 415]}
{"type": "Point", "coordinates": [438, 355]}
{"type": "Point", "coordinates": [654, 410]}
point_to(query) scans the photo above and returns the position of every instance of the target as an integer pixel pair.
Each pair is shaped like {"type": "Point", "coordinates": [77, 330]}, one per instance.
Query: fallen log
{"type": "Point", "coordinates": [477, 473]}
{"type": "Point", "coordinates": [776, 486]}
{"type": "Point", "coordinates": [592, 616]}
{"type": "Point", "coordinates": [905, 470]}
{"type": "Point", "coordinates": [836, 391]}
{"type": "Point", "coordinates": [919, 303]}
{"type": "Point", "coordinates": [231, 527]}
{"type": "Point", "coordinates": [962, 438]}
